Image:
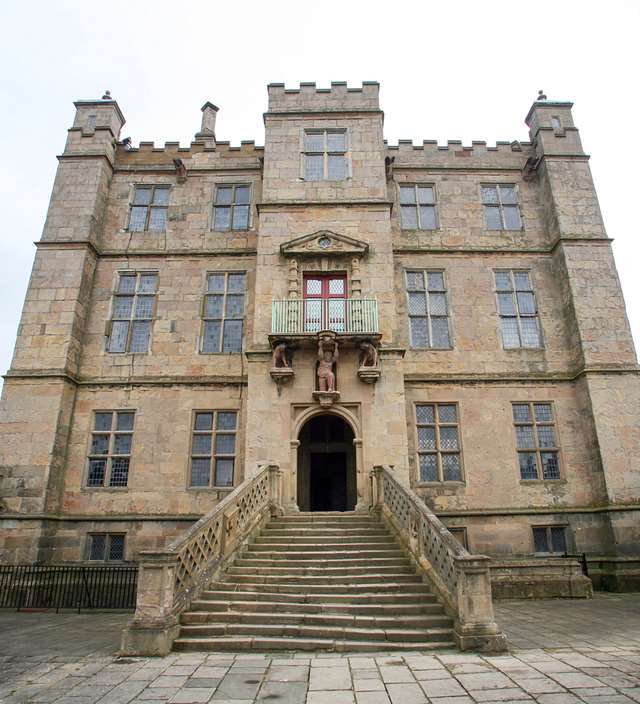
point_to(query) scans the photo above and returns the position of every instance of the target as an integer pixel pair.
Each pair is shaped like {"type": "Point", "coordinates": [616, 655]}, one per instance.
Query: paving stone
{"type": "Point", "coordinates": [210, 671]}
{"type": "Point", "coordinates": [202, 682]}
{"type": "Point", "coordinates": [575, 680]}
{"type": "Point", "coordinates": [344, 697]}
{"type": "Point", "coordinates": [451, 700]}
{"type": "Point", "coordinates": [396, 673]}
{"type": "Point", "coordinates": [288, 673]}
{"type": "Point", "coordinates": [164, 681]}
{"type": "Point", "coordinates": [406, 693]}
{"type": "Point", "coordinates": [372, 698]}
{"type": "Point", "coordinates": [237, 686]}
{"type": "Point", "coordinates": [564, 698]}
{"type": "Point", "coordinates": [501, 695]}
{"type": "Point", "coordinates": [192, 695]}
{"type": "Point", "coordinates": [368, 685]}
{"type": "Point", "coordinates": [538, 685]}
{"type": "Point", "coordinates": [442, 688]}
{"type": "Point", "coordinates": [333, 678]}
{"type": "Point", "coordinates": [283, 692]}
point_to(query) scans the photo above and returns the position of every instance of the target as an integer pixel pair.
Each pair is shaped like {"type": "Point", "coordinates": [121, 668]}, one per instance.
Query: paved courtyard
{"type": "Point", "coordinates": [562, 652]}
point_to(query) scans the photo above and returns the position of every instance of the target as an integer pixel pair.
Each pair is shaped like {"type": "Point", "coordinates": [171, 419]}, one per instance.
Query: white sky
{"type": "Point", "coordinates": [448, 70]}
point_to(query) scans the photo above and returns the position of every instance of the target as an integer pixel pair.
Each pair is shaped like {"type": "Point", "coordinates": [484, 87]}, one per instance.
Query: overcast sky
{"type": "Point", "coordinates": [448, 70]}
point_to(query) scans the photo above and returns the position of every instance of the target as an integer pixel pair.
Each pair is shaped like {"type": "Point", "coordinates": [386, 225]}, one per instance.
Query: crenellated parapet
{"type": "Point", "coordinates": [338, 98]}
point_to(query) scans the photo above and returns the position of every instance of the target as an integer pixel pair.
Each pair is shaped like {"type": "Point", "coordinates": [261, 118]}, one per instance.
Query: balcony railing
{"type": "Point", "coordinates": [349, 316]}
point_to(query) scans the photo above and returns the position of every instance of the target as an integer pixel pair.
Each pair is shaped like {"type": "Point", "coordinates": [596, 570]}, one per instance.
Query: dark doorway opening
{"type": "Point", "coordinates": [326, 465]}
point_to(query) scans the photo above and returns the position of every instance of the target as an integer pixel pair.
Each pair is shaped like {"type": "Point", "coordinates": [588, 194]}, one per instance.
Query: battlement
{"type": "Point", "coordinates": [338, 98]}
{"type": "Point", "coordinates": [431, 145]}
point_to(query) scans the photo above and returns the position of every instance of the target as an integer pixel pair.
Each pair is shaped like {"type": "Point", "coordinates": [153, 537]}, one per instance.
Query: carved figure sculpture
{"type": "Point", "coordinates": [369, 354]}
{"type": "Point", "coordinates": [181, 169]}
{"type": "Point", "coordinates": [280, 356]}
{"type": "Point", "coordinates": [326, 360]}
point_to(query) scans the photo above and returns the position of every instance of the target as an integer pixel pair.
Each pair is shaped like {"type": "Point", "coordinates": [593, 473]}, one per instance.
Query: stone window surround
{"type": "Point", "coordinates": [347, 154]}
{"type": "Point", "coordinates": [114, 293]}
{"type": "Point", "coordinates": [440, 483]}
{"type": "Point", "coordinates": [534, 287]}
{"type": "Point", "coordinates": [449, 316]}
{"type": "Point", "coordinates": [232, 184]}
{"type": "Point", "coordinates": [107, 535]}
{"type": "Point", "coordinates": [331, 264]}
{"type": "Point", "coordinates": [237, 463]}
{"type": "Point", "coordinates": [499, 205]}
{"type": "Point", "coordinates": [132, 191]}
{"type": "Point", "coordinates": [548, 526]}
{"type": "Point", "coordinates": [105, 486]}
{"type": "Point", "coordinates": [205, 292]}
{"type": "Point", "coordinates": [415, 184]}
{"type": "Point", "coordinates": [557, 449]}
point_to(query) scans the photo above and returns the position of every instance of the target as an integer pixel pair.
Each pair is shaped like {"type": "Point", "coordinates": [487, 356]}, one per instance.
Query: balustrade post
{"type": "Point", "coordinates": [377, 489]}
{"type": "Point", "coordinates": [475, 627]}
{"type": "Point", "coordinates": [275, 490]}
{"type": "Point", "coordinates": [154, 626]}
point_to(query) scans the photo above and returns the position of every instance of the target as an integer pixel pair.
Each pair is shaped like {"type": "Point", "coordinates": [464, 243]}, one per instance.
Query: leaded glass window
{"type": "Point", "coordinates": [105, 547]}
{"type": "Point", "coordinates": [501, 209]}
{"type": "Point", "coordinates": [148, 211]}
{"type": "Point", "coordinates": [536, 441]}
{"type": "Point", "coordinates": [110, 450]}
{"type": "Point", "coordinates": [325, 155]}
{"type": "Point", "coordinates": [418, 207]}
{"type": "Point", "coordinates": [231, 207]}
{"type": "Point", "coordinates": [428, 310]}
{"type": "Point", "coordinates": [223, 312]}
{"type": "Point", "coordinates": [549, 539]}
{"type": "Point", "coordinates": [132, 312]}
{"type": "Point", "coordinates": [438, 435]}
{"type": "Point", "coordinates": [213, 449]}
{"type": "Point", "coordinates": [518, 310]}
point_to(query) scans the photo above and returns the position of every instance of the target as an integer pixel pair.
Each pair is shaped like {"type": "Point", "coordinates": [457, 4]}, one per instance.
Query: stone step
{"type": "Point", "coordinates": [377, 589]}
{"type": "Point", "coordinates": [361, 524]}
{"type": "Point", "coordinates": [335, 541]}
{"type": "Point", "coordinates": [344, 547]}
{"type": "Point", "coordinates": [413, 599]}
{"type": "Point", "coordinates": [343, 580]}
{"type": "Point", "coordinates": [328, 571]}
{"type": "Point", "coordinates": [241, 615]}
{"type": "Point", "coordinates": [279, 630]}
{"type": "Point", "coordinates": [257, 644]}
{"type": "Point", "coordinates": [318, 563]}
{"type": "Point", "coordinates": [337, 532]}
{"type": "Point", "coordinates": [287, 555]}
{"type": "Point", "coordinates": [415, 608]}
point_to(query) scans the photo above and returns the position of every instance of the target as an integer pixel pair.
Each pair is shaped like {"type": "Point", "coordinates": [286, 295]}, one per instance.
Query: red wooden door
{"type": "Point", "coordinates": [325, 302]}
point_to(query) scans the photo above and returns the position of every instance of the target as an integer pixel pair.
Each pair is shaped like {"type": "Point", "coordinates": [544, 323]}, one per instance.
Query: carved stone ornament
{"type": "Point", "coordinates": [326, 398]}
{"type": "Point", "coordinates": [369, 374]}
{"type": "Point", "coordinates": [281, 371]}
{"type": "Point", "coordinates": [324, 242]}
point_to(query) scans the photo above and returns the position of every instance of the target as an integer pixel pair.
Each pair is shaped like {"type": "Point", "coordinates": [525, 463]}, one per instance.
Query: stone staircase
{"type": "Point", "coordinates": [318, 581]}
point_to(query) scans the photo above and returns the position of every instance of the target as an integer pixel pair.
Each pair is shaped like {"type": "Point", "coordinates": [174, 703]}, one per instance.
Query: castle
{"type": "Point", "coordinates": [326, 303]}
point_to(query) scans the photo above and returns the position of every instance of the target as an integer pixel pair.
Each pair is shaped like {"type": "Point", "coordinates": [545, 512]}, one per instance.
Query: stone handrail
{"type": "Point", "coordinates": [171, 578]}
{"type": "Point", "coordinates": [461, 580]}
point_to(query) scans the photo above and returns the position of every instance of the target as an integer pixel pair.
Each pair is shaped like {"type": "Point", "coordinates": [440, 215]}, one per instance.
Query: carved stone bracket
{"type": "Point", "coordinates": [326, 398]}
{"type": "Point", "coordinates": [281, 375]}
{"type": "Point", "coordinates": [369, 374]}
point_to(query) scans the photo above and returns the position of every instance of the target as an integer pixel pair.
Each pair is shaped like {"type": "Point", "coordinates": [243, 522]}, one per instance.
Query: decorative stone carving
{"type": "Point", "coordinates": [281, 371]}
{"type": "Point", "coordinates": [326, 398]}
{"type": "Point", "coordinates": [181, 170]}
{"type": "Point", "coordinates": [324, 242]}
{"type": "Point", "coordinates": [369, 370]}
{"type": "Point", "coordinates": [327, 357]}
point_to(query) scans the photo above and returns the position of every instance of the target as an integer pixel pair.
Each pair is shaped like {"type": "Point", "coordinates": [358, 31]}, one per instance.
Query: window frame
{"type": "Point", "coordinates": [213, 455]}
{"type": "Point", "coordinates": [136, 294]}
{"type": "Point", "coordinates": [205, 318]}
{"type": "Point", "coordinates": [517, 316]}
{"type": "Point", "coordinates": [416, 185]}
{"type": "Point", "coordinates": [325, 153]}
{"type": "Point", "coordinates": [460, 530]}
{"type": "Point", "coordinates": [232, 206]}
{"type": "Point", "coordinates": [500, 206]}
{"type": "Point", "coordinates": [429, 317]}
{"type": "Point", "coordinates": [149, 206]}
{"type": "Point", "coordinates": [437, 450]}
{"type": "Point", "coordinates": [108, 544]}
{"type": "Point", "coordinates": [548, 528]}
{"type": "Point", "coordinates": [533, 423]}
{"type": "Point", "coordinates": [112, 432]}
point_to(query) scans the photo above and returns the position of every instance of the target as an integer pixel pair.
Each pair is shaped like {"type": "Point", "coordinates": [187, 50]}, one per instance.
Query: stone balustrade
{"type": "Point", "coordinates": [462, 581]}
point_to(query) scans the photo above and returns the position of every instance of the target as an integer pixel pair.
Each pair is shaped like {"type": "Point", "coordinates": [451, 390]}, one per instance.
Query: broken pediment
{"type": "Point", "coordinates": [324, 242]}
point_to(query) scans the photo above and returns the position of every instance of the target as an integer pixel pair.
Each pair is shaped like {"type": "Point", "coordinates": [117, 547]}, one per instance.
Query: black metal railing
{"type": "Point", "coordinates": [68, 586]}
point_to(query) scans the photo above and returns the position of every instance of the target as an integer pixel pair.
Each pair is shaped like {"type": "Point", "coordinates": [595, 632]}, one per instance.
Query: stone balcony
{"type": "Point", "coordinates": [348, 318]}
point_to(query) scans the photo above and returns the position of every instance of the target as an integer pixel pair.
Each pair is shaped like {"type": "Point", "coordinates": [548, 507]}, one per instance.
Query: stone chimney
{"type": "Point", "coordinates": [208, 127]}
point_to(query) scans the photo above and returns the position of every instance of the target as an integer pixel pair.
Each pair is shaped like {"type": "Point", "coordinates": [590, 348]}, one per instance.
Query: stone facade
{"type": "Point", "coordinates": [62, 372]}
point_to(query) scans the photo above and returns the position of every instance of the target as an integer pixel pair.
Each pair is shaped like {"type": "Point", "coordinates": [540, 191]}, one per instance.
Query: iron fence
{"type": "Point", "coordinates": [68, 586]}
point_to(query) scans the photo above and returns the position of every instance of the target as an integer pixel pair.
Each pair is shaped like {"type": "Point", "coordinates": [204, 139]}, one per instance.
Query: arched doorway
{"type": "Point", "coordinates": [326, 465]}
